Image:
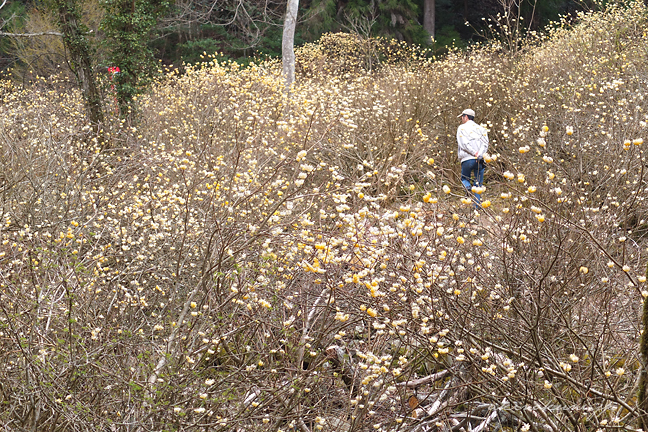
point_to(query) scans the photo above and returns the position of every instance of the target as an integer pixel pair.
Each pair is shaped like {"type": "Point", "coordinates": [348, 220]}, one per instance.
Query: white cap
{"type": "Point", "coordinates": [467, 112]}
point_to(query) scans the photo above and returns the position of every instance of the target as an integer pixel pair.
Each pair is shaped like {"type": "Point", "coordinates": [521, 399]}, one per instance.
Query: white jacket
{"type": "Point", "coordinates": [472, 140]}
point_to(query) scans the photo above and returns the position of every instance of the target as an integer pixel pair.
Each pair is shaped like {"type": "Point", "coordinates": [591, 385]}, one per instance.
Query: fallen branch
{"type": "Point", "coordinates": [251, 395]}
{"type": "Point", "coordinates": [541, 412]}
{"type": "Point", "coordinates": [22, 35]}
{"type": "Point", "coordinates": [483, 425]}
{"type": "Point", "coordinates": [425, 380]}
{"type": "Point", "coordinates": [439, 405]}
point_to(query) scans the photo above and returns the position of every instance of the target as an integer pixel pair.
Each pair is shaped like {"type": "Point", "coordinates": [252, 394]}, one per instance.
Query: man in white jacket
{"type": "Point", "coordinates": [472, 140]}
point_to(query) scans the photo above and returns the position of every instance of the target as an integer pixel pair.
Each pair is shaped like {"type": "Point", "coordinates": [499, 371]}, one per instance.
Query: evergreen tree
{"type": "Point", "coordinates": [128, 25]}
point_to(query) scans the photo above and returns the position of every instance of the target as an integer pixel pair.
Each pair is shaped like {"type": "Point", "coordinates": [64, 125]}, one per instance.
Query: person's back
{"type": "Point", "coordinates": [472, 142]}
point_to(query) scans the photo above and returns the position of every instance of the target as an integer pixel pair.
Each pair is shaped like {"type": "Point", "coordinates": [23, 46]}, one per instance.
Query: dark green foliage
{"type": "Point", "coordinates": [390, 18]}
{"type": "Point", "coordinates": [216, 39]}
{"type": "Point", "coordinates": [271, 42]}
{"type": "Point", "coordinates": [320, 17]}
{"type": "Point", "coordinates": [193, 51]}
{"type": "Point", "coordinates": [231, 27]}
{"type": "Point", "coordinates": [448, 36]}
{"type": "Point", "coordinates": [128, 26]}
{"type": "Point", "coordinates": [136, 36]}
{"type": "Point", "coordinates": [535, 14]}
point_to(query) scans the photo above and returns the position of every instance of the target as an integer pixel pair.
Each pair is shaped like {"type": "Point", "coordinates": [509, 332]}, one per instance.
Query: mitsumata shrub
{"type": "Point", "coordinates": [246, 259]}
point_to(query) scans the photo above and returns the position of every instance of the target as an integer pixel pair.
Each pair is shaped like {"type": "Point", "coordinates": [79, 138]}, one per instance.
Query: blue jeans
{"type": "Point", "coordinates": [469, 168]}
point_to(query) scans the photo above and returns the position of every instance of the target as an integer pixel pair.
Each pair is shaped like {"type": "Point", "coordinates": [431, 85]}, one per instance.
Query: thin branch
{"type": "Point", "coordinates": [21, 35]}
{"type": "Point", "coordinates": [541, 412]}
{"type": "Point", "coordinates": [425, 380]}
{"type": "Point", "coordinates": [307, 326]}
{"type": "Point", "coordinates": [483, 425]}
{"type": "Point", "coordinates": [170, 351]}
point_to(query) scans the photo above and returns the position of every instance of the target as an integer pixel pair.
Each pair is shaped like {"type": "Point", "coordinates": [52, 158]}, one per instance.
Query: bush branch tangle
{"type": "Point", "coordinates": [241, 260]}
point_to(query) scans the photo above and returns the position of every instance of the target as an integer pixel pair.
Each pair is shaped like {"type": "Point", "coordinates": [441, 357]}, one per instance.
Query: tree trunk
{"type": "Point", "coordinates": [288, 42]}
{"type": "Point", "coordinates": [76, 43]}
{"type": "Point", "coordinates": [429, 17]}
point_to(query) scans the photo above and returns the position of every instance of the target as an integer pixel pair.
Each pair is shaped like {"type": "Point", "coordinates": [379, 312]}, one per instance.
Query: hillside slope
{"type": "Point", "coordinates": [244, 260]}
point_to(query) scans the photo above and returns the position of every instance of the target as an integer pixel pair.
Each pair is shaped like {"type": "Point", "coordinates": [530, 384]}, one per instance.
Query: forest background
{"type": "Point", "coordinates": [242, 30]}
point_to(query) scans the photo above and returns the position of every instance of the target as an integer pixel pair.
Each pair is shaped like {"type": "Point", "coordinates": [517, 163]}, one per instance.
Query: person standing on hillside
{"type": "Point", "coordinates": [472, 140]}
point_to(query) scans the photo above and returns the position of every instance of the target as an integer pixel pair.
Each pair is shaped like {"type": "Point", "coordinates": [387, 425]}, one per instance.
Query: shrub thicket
{"type": "Point", "coordinates": [240, 260]}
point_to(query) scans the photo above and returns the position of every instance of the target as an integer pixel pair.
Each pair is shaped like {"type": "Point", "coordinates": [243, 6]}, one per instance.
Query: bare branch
{"type": "Point", "coordinates": [425, 380]}
{"type": "Point", "coordinates": [307, 325]}
{"type": "Point", "coordinates": [483, 425]}
{"type": "Point", "coordinates": [22, 35]}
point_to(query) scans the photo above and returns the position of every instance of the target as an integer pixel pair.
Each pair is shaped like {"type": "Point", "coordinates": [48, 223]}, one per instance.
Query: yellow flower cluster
{"type": "Point", "coordinates": [237, 238]}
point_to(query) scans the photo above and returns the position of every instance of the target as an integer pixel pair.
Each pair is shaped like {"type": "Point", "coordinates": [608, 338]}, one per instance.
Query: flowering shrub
{"type": "Point", "coordinates": [241, 260]}
{"type": "Point", "coordinates": [344, 53]}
